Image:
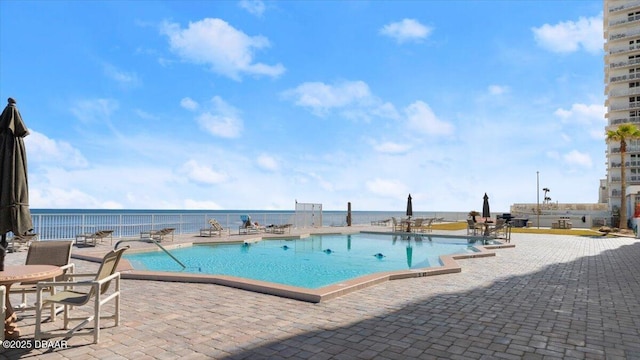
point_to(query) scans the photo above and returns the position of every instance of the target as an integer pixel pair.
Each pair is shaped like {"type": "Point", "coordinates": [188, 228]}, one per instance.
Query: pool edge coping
{"type": "Point", "coordinates": [449, 265]}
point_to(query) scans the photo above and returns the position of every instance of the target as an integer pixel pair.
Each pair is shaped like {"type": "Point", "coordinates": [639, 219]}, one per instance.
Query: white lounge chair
{"type": "Point", "coordinates": [215, 228]}
{"type": "Point", "coordinates": [248, 226]}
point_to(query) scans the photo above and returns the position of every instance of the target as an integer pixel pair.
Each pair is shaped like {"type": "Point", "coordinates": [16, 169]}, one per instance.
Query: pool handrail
{"type": "Point", "coordinates": [157, 244]}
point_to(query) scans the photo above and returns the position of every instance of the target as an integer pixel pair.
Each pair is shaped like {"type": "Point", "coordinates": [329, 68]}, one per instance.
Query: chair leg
{"type": "Point", "coordinates": [38, 332]}
{"type": "Point", "coordinates": [53, 305]}
{"type": "Point", "coordinates": [24, 299]}
{"type": "Point", "coordinates": [96, 318]}
{"type": "Point", "coordinates": [65, 316]}
{"type": "Point", "coordinates": [117, 300]}
{"type": "Point", "coordinates": [2, 306]}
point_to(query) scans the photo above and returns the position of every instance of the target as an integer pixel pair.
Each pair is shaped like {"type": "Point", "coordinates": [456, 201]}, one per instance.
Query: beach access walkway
{"type": "Point", "coordinates": [550, 297]}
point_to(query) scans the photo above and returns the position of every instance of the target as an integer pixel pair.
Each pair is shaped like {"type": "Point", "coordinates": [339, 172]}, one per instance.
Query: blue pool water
{"type": "Point", "coordinates": [312, 262]}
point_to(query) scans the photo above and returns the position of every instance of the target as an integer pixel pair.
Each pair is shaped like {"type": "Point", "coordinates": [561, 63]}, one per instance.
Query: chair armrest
{"type": "Point", "coordinates": [44, 284]}
{"type": "Point", "coordinates": [71, 266]}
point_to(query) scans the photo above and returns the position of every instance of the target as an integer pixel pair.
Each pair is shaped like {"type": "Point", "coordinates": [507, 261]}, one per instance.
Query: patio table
{"type": "Point", "coordinates": [22, 273]}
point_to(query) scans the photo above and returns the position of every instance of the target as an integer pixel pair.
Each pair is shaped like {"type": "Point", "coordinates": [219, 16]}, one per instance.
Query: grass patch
{"type": "Point", "coordinates": [450, 226]}
{"type": "Point", "coordinates": [575, 232]}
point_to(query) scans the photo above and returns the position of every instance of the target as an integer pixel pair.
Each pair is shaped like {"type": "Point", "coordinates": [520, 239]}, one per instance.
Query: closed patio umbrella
{"type": "Point", "coordinates": [14, 190]}
{"type": "Point", "coordinates": [409, 212]}
{"type": "Point", "coordinates": [486, 213]}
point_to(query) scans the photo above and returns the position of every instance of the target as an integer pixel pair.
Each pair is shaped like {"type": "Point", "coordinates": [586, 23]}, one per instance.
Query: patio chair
{"type": "Point", "coordinates": [473, 227]}
{"type": "Point", "coordinates": [157, 235]}
{"type": "Point", "coordinates": [248, 226]}
{"type": "Point", "coordinates": [215, 228]}
{"type": "Point", "coordinates": [91, 239]}
{"type": "Point", "coordinates": [425, 225]}
{"type": "Point", "coordinates": [397, 225]}
{"type": "Point", "coordinates": [56, 253]}
{"type": "Point", "coordinates": [20, 242]}
{"type": "Point", "coordinates": [278, 229]}
{"type": "Point", "coordinates": [71, 296]}
{"type": "Point", "coordinates": [501, 229]}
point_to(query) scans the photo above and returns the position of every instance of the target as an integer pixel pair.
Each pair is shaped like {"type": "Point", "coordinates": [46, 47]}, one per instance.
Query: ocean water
{"type": "Point", "coordinates": [67, 223]}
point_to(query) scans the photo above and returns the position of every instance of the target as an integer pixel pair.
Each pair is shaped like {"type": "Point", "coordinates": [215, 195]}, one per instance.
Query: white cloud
{"type": "Point", "coordinates": [145, 115]}
{"type": "Point", "coordinates": [583, 114]}
{"type": "Point", "coordinates": [44, 150]}
{"type": "Point", "coordinates": [570, 36]}
{"type": "Point", "coordinates": [268, 162]}
{"type": "Point", "coordinates": [321, 97]}
{"type": "Point", "coordinates": [53, 197]}
{"type": "Point", "coordinates": [498, 89]}
{"type": "Point", "coordinates": [577, 158]}
{"type": "Point", "coordinates": [391, 148]}
{"type": "Point", "coordinates": [201, 205]}
{"type": "Point", "coordinates": [421, 118]}
{"type": "Point", "coordinates": [96, 110]}
{"type": "Point", "coordinates": [202, 174]}
{"type": "Point", "coordinates": [254, 7]}
{"type": "Point", "coordinates": [189, 104]}
{"type": "Point", "coordinates": [129, 79]}
{"type": "Point", "coordinates": [387, 188]}
{"type": "Point", "coordinates": [597, 134]}
{"type": "Point", "coordinates": [353, 98]}
{"type": "Point", "coordinates": [222, 120]}
{"type": "Point", "coordinates": [321, 182]}
{"type": "Point", "coordinates": [215, 43]}
{"type": "Point", "coordinates": [588, 118]}
{"type": "Point", "coordinates": [406, 30]}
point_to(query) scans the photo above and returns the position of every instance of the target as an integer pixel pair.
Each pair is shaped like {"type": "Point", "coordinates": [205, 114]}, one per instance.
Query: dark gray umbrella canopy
{"type": "Point", "coordinates": [485, 207]}
{"type": "Point", "coordinates": [409, 207]}
{"type": "Point", "coordinates": [14, 190]}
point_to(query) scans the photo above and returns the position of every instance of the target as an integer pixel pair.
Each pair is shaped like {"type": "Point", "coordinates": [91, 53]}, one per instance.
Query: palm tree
{"type": "Point", "coordinates": [622, 134]}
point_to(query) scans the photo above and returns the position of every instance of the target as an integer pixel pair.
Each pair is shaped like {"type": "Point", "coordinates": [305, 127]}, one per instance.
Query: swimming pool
{"type": "Point", "coordinates": [312, 262]}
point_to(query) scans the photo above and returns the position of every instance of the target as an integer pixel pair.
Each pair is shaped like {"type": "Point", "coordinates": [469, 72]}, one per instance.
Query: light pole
{"type": "Point", "coordinates": [538, 196]}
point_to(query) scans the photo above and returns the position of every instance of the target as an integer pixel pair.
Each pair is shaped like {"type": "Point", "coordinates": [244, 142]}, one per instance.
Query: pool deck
{"type": "Point", "coordinates": [549, 297]}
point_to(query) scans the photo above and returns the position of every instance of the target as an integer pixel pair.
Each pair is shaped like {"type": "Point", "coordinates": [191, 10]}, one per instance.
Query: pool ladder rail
{"type": "Point", "coordinates": [157, 244]}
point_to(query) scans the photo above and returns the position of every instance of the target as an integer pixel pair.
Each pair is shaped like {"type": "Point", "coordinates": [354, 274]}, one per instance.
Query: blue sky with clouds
{"type": "Point", "coordinates": [256, 104]}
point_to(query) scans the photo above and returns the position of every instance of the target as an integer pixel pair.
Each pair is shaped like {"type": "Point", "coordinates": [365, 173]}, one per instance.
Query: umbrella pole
{"type": "Point", "coordinates": [3, 250]}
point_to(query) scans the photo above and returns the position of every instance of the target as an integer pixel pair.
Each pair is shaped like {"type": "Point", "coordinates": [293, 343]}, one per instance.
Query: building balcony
{"type": "Point", "coordinates": [623, 33]}
{"type": "Point", "coordinates": [620, 50]}
{"type": "Point", "coordinates": [621, 21]}
{"type": "Point", "coordinates": [626, 106]}
{"type": "Point", "coordinates": [618, 121]}
{"type": "Point", "coordinates": [625, 77]}
{"type": "Point", "coordinates": [625, 63]}
{"type": "Point", "coordinates": [631, 180]}
{"type": "Point", "coordinates": [625, 92]}
{"type": "Point", "coordinates": [623, 7]}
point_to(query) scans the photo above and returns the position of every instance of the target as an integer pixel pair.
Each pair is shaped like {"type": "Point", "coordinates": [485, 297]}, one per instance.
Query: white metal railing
{"type": "Point", "coordinates": [129, 225]}
{"type": "Point", "coordinates": [67, 226]}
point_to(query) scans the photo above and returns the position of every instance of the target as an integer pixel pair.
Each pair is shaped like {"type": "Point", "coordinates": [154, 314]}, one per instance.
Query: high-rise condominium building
{"type": "Point", "coordinates": [622, 91]}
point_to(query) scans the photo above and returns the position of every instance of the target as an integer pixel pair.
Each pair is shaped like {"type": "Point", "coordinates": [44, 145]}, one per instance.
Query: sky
{"type": "Point", "coordinates": [228, 105]}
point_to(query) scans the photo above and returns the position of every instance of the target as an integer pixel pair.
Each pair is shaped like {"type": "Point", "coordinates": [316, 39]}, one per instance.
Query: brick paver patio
{"type": "Point", "coordinates": [550, 297]}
